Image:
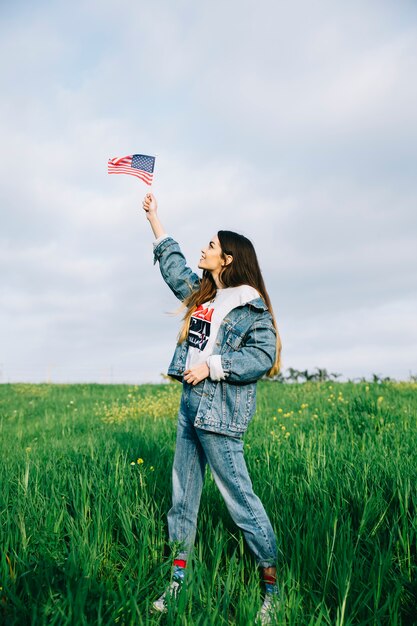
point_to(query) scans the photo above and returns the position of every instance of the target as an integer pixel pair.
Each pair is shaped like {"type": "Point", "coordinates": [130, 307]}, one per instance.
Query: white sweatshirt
{"type": "Point", "coordinates": [205, 323]}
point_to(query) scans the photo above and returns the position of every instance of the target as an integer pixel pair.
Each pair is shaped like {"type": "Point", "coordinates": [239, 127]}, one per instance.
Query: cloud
{"type": "Point", "coordinates": [380, 340]}
{"type": "Point", "coordinates": [300, 133]}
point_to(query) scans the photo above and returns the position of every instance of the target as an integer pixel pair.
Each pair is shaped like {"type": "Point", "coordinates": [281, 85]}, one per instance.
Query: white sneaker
{"type": "Point", "coordinates": [170, 593]}
{"type": "Point", "coordinates": [267, 612]}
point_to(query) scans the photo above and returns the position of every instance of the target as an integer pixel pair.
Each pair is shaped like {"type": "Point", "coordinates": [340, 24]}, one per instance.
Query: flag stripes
{"type": "Point", "coordinates": [139, 165]}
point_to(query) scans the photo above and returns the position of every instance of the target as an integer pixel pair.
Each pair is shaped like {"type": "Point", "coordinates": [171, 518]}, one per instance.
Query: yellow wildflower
{"type": "Point", "coordinates": [139, 461]}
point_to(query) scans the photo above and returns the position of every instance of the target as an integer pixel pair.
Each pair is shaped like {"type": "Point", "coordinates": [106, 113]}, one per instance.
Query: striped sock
{"type": "Point", "coordinates": [271, 586]}
{"type": "Point", "coordinates": [179, 570]}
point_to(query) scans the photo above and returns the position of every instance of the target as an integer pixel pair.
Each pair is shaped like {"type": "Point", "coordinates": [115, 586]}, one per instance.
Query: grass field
{"type": "Point", "coordinates": [85, 487]}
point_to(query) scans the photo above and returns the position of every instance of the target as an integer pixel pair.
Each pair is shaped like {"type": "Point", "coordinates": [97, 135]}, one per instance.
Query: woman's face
{"type": "Point", "coordinates": [211, 257]}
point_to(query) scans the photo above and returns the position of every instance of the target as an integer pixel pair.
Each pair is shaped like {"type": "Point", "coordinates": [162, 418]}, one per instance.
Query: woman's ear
{"type": "Point", "coordinates": [228, 259]}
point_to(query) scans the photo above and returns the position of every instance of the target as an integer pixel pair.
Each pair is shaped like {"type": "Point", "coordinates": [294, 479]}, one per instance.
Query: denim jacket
{"type": "Point", "coordinates": [246, 342]}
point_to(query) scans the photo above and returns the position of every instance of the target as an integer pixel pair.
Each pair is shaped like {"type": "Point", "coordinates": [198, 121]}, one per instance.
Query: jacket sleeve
{"type": "Point", "coordinates": [178, 276]}
{"type": "Point", "coordinates": [249, 358]}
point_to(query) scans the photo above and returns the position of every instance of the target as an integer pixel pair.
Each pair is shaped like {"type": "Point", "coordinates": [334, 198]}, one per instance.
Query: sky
{"type": "Point", "coordinates": [292, 123]}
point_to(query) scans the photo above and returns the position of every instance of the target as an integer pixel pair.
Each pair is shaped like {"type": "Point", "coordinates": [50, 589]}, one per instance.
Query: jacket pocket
{"type": "Point", "coordinates": [230, 405]}
{"type": "Point", "coordinates": [244, 406]}
{"type": "Point", "coordinates": [237, 406]}
{"type": "Point", "coordinates": [234, 340]}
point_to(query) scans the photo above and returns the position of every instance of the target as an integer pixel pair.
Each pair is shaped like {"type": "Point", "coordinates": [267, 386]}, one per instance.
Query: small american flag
{"type": "Point", "coordinates": [139, 165]}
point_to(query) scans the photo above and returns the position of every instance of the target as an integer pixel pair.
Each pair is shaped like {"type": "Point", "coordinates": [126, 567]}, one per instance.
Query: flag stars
{"type": "Point", "coordinates": [143, 162]}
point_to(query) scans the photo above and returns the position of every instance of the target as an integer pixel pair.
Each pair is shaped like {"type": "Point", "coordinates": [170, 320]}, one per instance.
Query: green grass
{"type": "Point", "coordinates": [83, 524]}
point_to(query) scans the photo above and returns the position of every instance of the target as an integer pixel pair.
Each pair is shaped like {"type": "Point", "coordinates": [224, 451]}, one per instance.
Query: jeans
{"type": "Point", "coordinates": [224, 454]}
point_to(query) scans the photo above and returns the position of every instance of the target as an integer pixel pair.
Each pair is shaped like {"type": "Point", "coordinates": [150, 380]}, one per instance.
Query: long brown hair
{"type": "Point", "coordinates": [243, 270]}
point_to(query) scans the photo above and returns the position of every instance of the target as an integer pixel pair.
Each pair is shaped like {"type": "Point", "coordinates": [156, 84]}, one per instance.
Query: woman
{"type": "Point", "coordinates": [228, 341]}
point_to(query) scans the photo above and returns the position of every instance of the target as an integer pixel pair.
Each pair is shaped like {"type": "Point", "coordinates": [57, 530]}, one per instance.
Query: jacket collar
{"type": "Point", "coordinates": [258, 303]}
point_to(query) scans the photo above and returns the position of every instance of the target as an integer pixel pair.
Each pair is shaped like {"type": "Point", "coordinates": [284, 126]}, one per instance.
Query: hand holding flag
{"type": "Point", "coordinates": [150, 205]}
{"type": "Point", "coordinates": [139, 165]}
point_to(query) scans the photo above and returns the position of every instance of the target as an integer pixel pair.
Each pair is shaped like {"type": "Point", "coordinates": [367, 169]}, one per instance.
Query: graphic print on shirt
{"type": "Point", "coordinates": [200, 324]}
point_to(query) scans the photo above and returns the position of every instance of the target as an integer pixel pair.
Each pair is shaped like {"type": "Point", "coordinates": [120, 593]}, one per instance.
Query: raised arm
{"type": "Point", "coordinates": [178, 276]}
{"type": "Point", "coordinates": [150, 206]}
